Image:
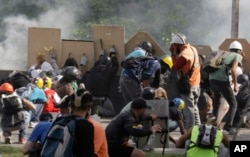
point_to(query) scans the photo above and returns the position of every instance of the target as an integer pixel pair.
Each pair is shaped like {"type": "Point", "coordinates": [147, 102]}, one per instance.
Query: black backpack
{"type": "Point", "coordinates": [17, 79]}
{"type": "Point", "coordinates": [11, 104]}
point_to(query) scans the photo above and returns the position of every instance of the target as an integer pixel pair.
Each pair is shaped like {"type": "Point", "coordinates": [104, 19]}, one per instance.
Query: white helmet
{"type": "Point", "coordinates": [236, 45]}
{"type": "Point", "coordinates": [178, 39]}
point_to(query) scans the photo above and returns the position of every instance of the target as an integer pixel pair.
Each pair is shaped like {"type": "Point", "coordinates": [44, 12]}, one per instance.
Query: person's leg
{"type": "Point", "coordinates": [216, 96]}
{"type": "Point", "coordinates": [7, 137]}
{"type": "Point", "coordinates": [228, 94]}
{"type": "Point", "coordinates": [137, 153]}
{"type": "Point", "coordinates": [130, 88]}
{"type": "Point", "coordinates": [191, 111]}
{"type": "Point", "coordinates": [106, 108]}
{"type": "Point", "coordinates": [36, 114]}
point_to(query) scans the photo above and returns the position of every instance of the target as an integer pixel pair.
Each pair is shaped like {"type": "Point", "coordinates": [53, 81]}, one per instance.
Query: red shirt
{"type": "Point", "coordinates": [49, 105]}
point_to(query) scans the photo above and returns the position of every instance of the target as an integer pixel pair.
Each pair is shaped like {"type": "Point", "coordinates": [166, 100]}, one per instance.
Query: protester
{"type": "Point", "coordinates": [34, 144]}
{"type": "Point", "coordinates": [15, 114]}
{"type": "Point", "coordinates": [130, 81]}
{"type": "Point", "coordinates": [220, 85]}
{"type": "Point", "coordinates": [98, 81]}
{"type": "Point", "coordinates": [195, 143]}
{"type": "Point", "coordinates": [100, 141]}
{"type": "Point", "coordinates": [128, 124]}
{"type": "Point", "coordinates": [186, 62]}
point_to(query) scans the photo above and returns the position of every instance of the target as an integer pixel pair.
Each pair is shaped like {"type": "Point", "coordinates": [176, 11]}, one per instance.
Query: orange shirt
{"type": "Point", "coordinates": [100, 141]}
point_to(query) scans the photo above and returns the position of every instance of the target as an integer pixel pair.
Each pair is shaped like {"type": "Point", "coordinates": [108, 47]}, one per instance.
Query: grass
{"type": "Point", "coordinates": [10, 151]}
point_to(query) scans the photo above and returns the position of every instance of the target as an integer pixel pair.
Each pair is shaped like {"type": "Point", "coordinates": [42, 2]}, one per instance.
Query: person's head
{"type": "Point", "coordinates": [243, 78]}
{"type": "Point", "coordinates": [178, 40]}
{"type": "Point", "coordinates": [47, 82]}
{"type": "Point", "coordinates": [236, 47]}
{"type": "Point", "coordinates": [6, 88]}
{"type": "Point", "coordinates": [38, 81]}
{"type": "Point", "coordinates": [148, 93]}
{"type": "Point", "coordinates": [166, 63]}
{"type": "Point", "coordinates": [139, 107]}
{"type": "Point", "coordinates": [147, 46]}
{"type": "Point", "coordinates": [71, 73]}
{"type": "Point", "coordinates": [178, 103]}
{"type": "Point", "coordinates": [40, 59]}
{"type": "Point", "coordinates": [70, 62]}
{"type": "Point", "coordinates": [82, 100]}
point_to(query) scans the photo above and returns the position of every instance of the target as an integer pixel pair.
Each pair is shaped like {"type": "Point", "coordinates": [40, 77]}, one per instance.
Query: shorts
{"type": "Point", "coordinates": [119, 150]}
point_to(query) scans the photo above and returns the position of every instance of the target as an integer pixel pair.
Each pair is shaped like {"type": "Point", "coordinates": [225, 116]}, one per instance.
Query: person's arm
{"type": "Point", "coordinates": [234, 75]}
{"type": "Point", "coordinates": [29, 104]}
{"type": "Point", "coordinates": [181, 126]}
{"type": "Point", "coordinates": [28, 146]}
{"type": "Point", "coordinates": [181, 141]}
{"type": "Point", "coordinates": [180, 62]}
{"type": "Point", "coordinates": [225, 140]}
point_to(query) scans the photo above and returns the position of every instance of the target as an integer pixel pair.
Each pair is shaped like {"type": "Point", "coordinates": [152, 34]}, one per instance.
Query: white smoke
{"type": "Point", "coordinates": [13, 49]}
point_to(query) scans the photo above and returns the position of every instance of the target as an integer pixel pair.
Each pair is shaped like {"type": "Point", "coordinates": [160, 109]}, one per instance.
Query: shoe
{"type": "Point", "coordinates": [229, 131]}
{"type": "Point", "coordinates": [33, 124]}
{"type": "Point", "coordinates": [21, 140]}
{"type": "Point", "coordinates": [7, 140]}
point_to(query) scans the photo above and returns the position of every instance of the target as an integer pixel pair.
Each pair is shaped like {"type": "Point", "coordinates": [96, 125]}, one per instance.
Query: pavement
{"type": "Point", "coordinates": [243, 135]}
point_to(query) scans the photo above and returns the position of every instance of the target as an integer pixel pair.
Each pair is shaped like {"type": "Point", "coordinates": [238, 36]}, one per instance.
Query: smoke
{"type": "Point", "coordinates": [209, 23]}
{"type": "Point", "coordinates": [13, 49]}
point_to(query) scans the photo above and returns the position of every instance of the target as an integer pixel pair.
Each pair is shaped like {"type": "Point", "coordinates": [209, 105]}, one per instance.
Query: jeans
{"type": "Point", "coordinates": [36, 114]}
{"type": "Point", "coordinates": [191, 110]}
{"type": "Point", "coordinates": [130, 88]}
{"type": "Point", "coordinates": [223, 88]}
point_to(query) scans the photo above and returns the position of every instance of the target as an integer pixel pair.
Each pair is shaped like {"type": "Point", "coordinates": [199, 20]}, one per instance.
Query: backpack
{"type": "Point", "coordinates": [13, 122]}
{"type": "Point", "coordinates": [17, 79]}
{"type": "Point", "coordinates": [214, 61]}
{"type": "Point", "coordinates": [60, 139]}
{"type": "Point", "coordinates": [206, 137]}
{"type": "Point", "coordinates": [11, 104]}
{"type": "Point", "coordinates": [134, 62]}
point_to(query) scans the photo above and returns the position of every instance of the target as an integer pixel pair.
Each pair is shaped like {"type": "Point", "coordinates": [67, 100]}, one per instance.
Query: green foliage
{"type": "Point", "coordinates": [9, 151]}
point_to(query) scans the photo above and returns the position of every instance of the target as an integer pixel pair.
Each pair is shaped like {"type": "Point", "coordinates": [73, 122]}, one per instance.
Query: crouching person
{"type": "Point", "coordinates": [205, 140]}
{"type": "Point", "coordinates": [128, 124]}
{"type": "Point", "coordinates": [15, 113]}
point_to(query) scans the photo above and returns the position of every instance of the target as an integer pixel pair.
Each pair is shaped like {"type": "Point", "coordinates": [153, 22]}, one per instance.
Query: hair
{"type": "Point", "coordinates": [138, 103]}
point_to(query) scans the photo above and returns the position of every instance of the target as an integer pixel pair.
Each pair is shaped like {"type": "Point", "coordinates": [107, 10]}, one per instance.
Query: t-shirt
{"type": "Point", "coordinates": [100, 142]}
{"type": "Point", "coordinates": [40, 132]}
{"type": "Point", "coordinates": [222, 73]}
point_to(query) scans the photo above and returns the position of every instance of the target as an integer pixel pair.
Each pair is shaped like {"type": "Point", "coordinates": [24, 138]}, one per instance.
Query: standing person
{"type": "Point", "coordinates": [129, 84]}
{"type": "Point", "coordinates": [128, 124]}
{"type": "Point", "coordinates": [220, 85]}
{"type": "Point", "coordinates": [186, 58]}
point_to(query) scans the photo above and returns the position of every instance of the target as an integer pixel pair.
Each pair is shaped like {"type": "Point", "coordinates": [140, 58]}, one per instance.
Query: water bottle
{"type": "Point", "coordinates": [151, 140]}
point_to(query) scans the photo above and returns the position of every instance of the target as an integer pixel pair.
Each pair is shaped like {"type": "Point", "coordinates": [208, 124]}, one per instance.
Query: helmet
{"type": "Point", "coordinates": [236, 45]}
{"type": "Point", "coordinates": [38, 81]}
{"type": "Point", "coordinates": [47, 82]}
{"type": "Point", "coordinates": [178, 103]}
{"type": "Point", "coordinates": [7, 87]}
{"type": "Point", "coordinates": [167, 60]}
{"type": "Point", "coordinates": [71, 73]}
{"type": "Point", "coordinates": [178, 39]}
{"type": "Point", "coordinates": [148, 93]}
{"type": "Point", "coordinates": [147, 46]}
{"type": "Point", "coordinates": [242, 78]}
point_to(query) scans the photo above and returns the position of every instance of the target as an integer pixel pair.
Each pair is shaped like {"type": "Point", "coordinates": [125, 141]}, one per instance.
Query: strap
{"type": "Point", "coordinates": [190, 72]}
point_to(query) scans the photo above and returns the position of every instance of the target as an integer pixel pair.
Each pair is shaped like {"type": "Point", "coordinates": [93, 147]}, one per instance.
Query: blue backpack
{"type": "Point", "coordinates": [60, 139]}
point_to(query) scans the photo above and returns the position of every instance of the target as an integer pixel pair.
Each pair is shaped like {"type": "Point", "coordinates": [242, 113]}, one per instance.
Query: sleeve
{"type": "Point", "coordinates": [35, 135]}
{"type": "Point", "coordinates": [134, 129]}
{"type": "Point", "coordinates": [180, 62]}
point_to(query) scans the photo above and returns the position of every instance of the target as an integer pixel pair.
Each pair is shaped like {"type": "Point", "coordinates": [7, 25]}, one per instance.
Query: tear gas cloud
{"type": "Point", "coordinates": [208, 24]}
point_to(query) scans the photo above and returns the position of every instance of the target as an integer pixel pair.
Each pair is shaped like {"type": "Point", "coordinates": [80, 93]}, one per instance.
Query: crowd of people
{"type": "Point", "coordinates": [51, 94]}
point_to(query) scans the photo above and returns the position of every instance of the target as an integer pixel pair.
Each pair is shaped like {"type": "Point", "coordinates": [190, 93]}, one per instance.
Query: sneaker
{"type": "Point", "coordinates": [21, 140]}
{"type": "Point", "coordinates": [229, 131]}
{"type": "Point", "coordinates": [7, 140]}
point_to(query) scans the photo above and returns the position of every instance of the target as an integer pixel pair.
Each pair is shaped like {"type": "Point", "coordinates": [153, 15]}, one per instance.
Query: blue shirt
{"type": "Point", "coordinates": [40, 132]}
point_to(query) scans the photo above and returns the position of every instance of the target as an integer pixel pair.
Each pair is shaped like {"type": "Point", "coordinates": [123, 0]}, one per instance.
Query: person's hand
{"type": "Point", "coordinates": [236, 88]}
{"type": "Point", "coordinates": [156, 128]}
{"type": "Point", "coordinates": [154, 116]}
